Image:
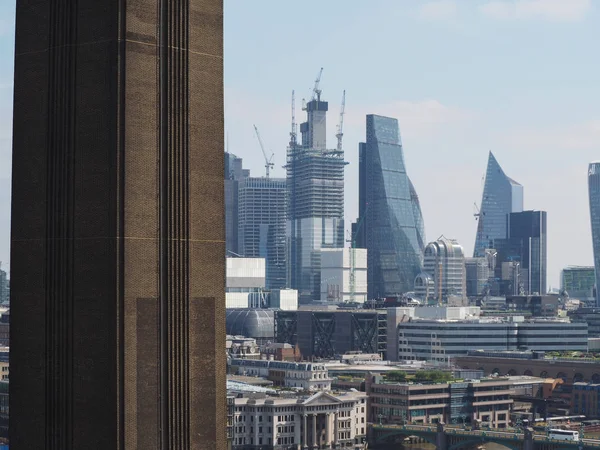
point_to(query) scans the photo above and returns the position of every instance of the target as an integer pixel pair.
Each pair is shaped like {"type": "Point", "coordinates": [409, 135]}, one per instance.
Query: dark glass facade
{"type": "Point", "coordinates": [594, 192]}
{"type": "Point", "coordinates": [501, 196]}
{"type": "Point", "coordinates": [392, 227]}
{"type": "Point", "coordinates": [526, 243]}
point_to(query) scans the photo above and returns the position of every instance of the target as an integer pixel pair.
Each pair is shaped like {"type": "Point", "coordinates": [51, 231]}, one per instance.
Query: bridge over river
{"type": "Point", "coordinates": [454, 438]}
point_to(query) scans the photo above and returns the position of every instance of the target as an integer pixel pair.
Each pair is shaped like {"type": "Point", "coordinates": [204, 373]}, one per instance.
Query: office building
{"type": "Point", "coordinates": [322, 420]}
{"type": "Point", "coordinates": [323, 332]}
{"type": "Point", "coordinates": [234, 173]}
{"type": "Point", "coordinates": [477, 275]}
{"type": "Point", "coordinates": [578, 282]}
{"type": "Point", "coordinates": [245, 283]}
{"type": "Point", "coordinates": [315, 183]}
{"type": "Point", "coordinates": [118, 235]}
{"type": "Point", "coordinates": [286, 299]}
{"type": "Point", "coordinates": [4, 287]}
{"type": "Point", "coordinates": [390, 224]}
{"type": "Point", "coordinates": [444, 261]}
{"type": "Point", "coordinates": [594, 195]}
{"type": "Point", "coordinates": [262, 218]}
{"type": "Point", "coordinates": [501, 196]}
{"type": "Point", "coordinates": [344, 275]}
{"type": "Point", "coordinates": [585, 400]}
{"type": "Point", "coordinates": [488, 400]}
{"type": "Point", "coordinates": [523, 253]}
{"type": "Point", "coordinates": [442, 340]}
{"type": "Point", "coordinates": [591, 316]}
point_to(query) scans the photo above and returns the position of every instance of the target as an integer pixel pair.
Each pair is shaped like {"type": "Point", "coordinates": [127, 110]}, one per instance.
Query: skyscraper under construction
{"type": "Point", "coordinates": [315, 179]}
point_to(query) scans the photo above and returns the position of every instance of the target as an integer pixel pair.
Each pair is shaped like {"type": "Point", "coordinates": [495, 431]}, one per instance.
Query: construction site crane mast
{"type": "Point", "coordinates": [268, 161]}
{"type": "Point", "coordinates": [340, 131]}
{"type": "Point", "coordinates": [316, 92]}
{"type": "Point", "coordinates": [293, 132]}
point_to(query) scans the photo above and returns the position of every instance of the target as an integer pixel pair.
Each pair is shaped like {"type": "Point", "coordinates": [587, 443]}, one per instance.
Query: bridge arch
{"type": "Point", "coordinates": [544, 374]}
{"type": "Point", "coordinates": [596, 378]}
{"type": "Point", "coordinates": [561, 375]}
{"type": "Point", "coordinates": [577, 377]}
{"type": "Point", "coordinates": [496, 371]}
{"type": "Point", "coordinates": [384, 436]}
{"type": "Point", "coordinates": [483, 439]}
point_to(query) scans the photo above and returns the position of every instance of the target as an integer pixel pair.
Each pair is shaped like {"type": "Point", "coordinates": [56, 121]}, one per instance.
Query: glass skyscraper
{"type": "Point", "coordinates": [525, 244]}
{"type": "Point", "coordinates": [390, 225]}
{"type": "Point", "coordinates": [262, 225]}
{"type": "Point", "coordinates": [501, 196]}
{"type": "Point", "coordinates": [594, 191]}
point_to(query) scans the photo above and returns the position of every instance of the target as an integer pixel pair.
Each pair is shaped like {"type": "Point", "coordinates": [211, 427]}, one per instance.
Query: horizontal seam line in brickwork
{"type": "Point", "coordinates": [110, 40]}
{"type": "Point", "coordinates": [115, 237]}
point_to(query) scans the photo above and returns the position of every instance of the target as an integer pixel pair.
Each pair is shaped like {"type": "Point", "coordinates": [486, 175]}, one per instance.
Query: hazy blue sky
{"type": "Point", "coordinates": [518, 77]}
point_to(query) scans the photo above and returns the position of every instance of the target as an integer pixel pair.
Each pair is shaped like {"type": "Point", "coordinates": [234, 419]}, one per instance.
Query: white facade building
{"type": "Point", "coordinates": [305, 376]}
{"type": "Point", "coordinates": [245, 283]}
{"type": "Point", "coordinates": [435, 339]}
{"type": "Point", "coordinates": [285, 299]}
{"type": "Point", "coordinates": [444, 261]}
{"type": "Point", "coordinates": [337, 265]}
{"type": "Point", "coordinates": [320, 421]}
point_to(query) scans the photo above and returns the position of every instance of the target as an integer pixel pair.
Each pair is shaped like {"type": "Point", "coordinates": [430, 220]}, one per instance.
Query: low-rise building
{"type": "Point", "coordinates": [242, 347]}
{"type": "Point", "coordinates": [322, 420]}
{"type": "Point", "coordinates": [305, 376]}
{"type": "Point", "coordinates": [442, 340]}
{"type": "Point", "coordinates": [485, 400]}
{"type": "Point", "coordinates": [585, 400]}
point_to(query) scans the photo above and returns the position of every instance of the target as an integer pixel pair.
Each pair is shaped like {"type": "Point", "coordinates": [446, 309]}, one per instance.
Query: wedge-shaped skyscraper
{"type": "Point", "coordinates": [594, 191]}
{"type": "Point", "coordinates": [501, 196]}
{"type": "Point", "coordinates": [390, 225]}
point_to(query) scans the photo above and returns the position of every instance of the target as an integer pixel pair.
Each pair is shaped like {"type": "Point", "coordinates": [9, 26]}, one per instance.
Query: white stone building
{"type": "Point", "coordinates": [320, 421]}
{"type": "Point", "coordinates": [305, 376]}
{"type": "Point", "coordinates": [337, 265]}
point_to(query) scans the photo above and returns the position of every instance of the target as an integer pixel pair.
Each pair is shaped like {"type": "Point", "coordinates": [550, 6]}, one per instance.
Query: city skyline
{"type": "Point", "coordinates": [525, 86]}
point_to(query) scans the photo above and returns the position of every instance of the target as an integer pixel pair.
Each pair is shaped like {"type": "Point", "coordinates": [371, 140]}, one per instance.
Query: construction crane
{"type": "Point", "coordinates": [268, 161]}
{"type": "Point", "coordinates": [316, 92]}
{"type": "Point", "coordinates": [340, 130]}
{"type": "Point", "coordinates": [352, 241]}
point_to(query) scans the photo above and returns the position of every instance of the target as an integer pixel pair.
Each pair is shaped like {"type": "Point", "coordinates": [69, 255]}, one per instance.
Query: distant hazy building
{"type": "Point", "coordinates": [261, 225]}
{"type": "Point", "coordinates": [337, 266]}
{"type": "Point", "coordinates": [477, 274]}
{"type": "Point", "coordinates": [501, 196]}
{"type": "Point", "coordinates": [4, 287]}
{"type": "Point", "coordinates": [425, 287]}
{"type": "Point", "coordinates": [594, 194]}
{"type": "Point", "coordinates": [315, 181]}
{"type": "Point", "coordinates": [578, 281]}
{"type": "Point", "coordinates": [445, 262]}
{"type": "Point", "coordinates": [525, 246]}
{"type": "Point", "coordinates": [390, 219]}
{"type": "Point", "coordinates": [285, 299]}
{"type": "Point", "coordinates": [234, 173]}
{"type": "Point", "coordinates": [245, 283]}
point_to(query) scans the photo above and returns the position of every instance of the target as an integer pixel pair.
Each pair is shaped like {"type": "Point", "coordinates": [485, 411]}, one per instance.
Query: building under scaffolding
{"type": "Point", "coordinates": [325, 333]}
{"type": "Point", "coordinates": [315, 177]}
